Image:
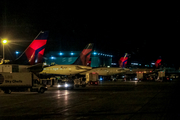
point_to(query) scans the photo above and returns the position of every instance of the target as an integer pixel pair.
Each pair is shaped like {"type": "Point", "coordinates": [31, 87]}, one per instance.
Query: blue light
{"type": "Point", "coordinates": [94, 53]}
{"type": "Point", "coordinates": [100, 78]}
{"type": "Point", "coordinates": [17, 52]}
{"type": "Point", "coordinates": [52, 58]}
{"type": "Point", "coordinates": [60, 53]}
{"type": "Point", "coordinates": [72, 53]}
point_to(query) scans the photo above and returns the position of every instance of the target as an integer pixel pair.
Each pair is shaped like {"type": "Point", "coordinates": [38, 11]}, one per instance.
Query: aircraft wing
{"type": "Point", "coordinates": [83, 68]}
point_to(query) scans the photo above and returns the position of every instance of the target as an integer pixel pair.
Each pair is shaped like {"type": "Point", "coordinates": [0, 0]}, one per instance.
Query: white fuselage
{"type": "Point", "coordinates": [65, 69]}
{"type": "Point", "coordinates": [104, 71]}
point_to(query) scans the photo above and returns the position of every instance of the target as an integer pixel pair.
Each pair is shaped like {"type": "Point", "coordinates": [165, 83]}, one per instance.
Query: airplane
{"type": "Point", "coordinates": [109, 71]}
{"type": "Point", "coordinates": [80, 65]}
{"type": "Point", "coordinates": [148, 70]}
{"type": "Point", "coordinates": [31, 60]}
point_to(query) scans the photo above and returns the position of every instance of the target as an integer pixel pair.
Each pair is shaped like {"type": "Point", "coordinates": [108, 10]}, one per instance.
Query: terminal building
{"type": "Point", "coordinates": [69, 57]}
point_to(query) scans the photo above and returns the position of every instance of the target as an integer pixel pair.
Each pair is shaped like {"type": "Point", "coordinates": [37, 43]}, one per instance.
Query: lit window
{"type": "Point", "coordinates": [153, 63]}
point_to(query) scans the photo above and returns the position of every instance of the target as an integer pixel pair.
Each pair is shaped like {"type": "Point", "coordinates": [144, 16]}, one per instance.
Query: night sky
{"type": "Point", "coordinates": [144, 30]}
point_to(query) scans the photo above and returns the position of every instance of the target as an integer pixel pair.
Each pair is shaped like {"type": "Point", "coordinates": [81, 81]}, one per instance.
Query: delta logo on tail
{"type": "Point", "coordinates": [35, 51]}
{"type": "Point", "coordinates": [123, 61]}
{"type": "Point", "coordinates": [84, 57]}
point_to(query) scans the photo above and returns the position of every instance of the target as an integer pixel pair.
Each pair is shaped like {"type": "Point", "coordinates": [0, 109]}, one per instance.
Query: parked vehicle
{"type": "Point", "coordinates": [21, 81]}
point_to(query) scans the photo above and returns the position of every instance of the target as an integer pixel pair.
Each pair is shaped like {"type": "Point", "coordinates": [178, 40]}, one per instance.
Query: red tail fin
{"type": "Point", "coordinates": [35, 51]}
{"type": "Point", "coordinates": [84, 57]}
{"type": "Point", "coordinates": [158, 63]}
{"type": "Point", "coordinates": [123, 61]}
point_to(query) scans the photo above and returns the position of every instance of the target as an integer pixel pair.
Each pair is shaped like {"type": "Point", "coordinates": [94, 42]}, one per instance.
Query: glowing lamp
{"type": "Point", "coordinates": [4, 41]}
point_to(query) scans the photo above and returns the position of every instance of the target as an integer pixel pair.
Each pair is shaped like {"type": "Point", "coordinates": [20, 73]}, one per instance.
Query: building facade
{"type": "Point", "coordinates": [69, 57]}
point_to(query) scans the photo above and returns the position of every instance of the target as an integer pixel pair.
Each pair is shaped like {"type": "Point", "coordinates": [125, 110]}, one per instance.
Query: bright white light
{"type": "Point", "coordinates": [66, 85]}
{"type": "Point", "coordinates": [108, 66]}
{"type": "Point", "coordinates": [135, 78]}
{"type": "Point", "coordinates": [153, 63]}
{"type": "Point", "coordinates": [4, 41]}
{"type": "Point", "coordinates": [59, 86]}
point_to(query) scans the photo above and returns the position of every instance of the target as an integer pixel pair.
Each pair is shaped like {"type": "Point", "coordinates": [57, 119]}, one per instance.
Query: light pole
{"type": "Point", "coordinates": [4, 42]}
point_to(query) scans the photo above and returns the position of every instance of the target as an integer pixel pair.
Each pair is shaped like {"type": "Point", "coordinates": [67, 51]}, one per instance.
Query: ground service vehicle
{"type": "Point", "coordinates": [139, 76]}
{"type": "Point", "coordinates": [20, 81]}
{"type": "Point", "coordinates": [80, 82]}
{"type": "Point", "coordinates": [66, 83]}
{"type": "Point", "coordinates": [92, 78]}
